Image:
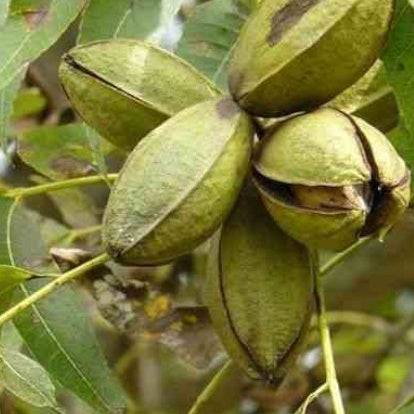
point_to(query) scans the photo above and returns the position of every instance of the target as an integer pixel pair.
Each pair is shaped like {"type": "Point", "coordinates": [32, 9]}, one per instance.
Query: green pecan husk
{"type": "Point", "coordinates": [295, 55]}
{"type": "Point", "coordinates": [259, 291]}
{"type": "Point", "coordinates": [328, 178]}
{"type": "Point", "coordinates": [178, 184]}
{"type": "Point", "coordinates": [125, 88]}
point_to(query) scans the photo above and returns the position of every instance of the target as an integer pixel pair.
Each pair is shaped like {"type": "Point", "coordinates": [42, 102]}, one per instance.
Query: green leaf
{"type": "Point", "coordinates": [63, 341]}
{"type": "Point", "coordinates": [61, 152]}
{"type": "Point", "coordinates": [6, 205]}
{"type": "Point", "coordinates": [7, 96]}
{"type": "Point", "coordinates": [392, 372]}
{"type": "Point", "coordinates": [24, 6]}
{"type": "Point", "coordinates": [405, 409]}
{"type": "Point", "coordinates": [10, 337]}
{"type": "Point", "coordinates": [126, 18]}
{"type": "Point", "coordinates": [96, 146]}
{"type": "Point", "coordinates": [31, 28]}
{"type": "Point", "coordinates": [209, 37]}
{"type": "Point", "coordinates": [11, 276]}
{"type": "Point", "coordinates": [26, 35]}
{"type": "Point", "coordinates": [372, 99]}
{"type": "Point", "coordinates": [53, 232]}
{"type": "Point", "coordinates": [28, 102]}
{"type": "Point", "coordinates": [399, 62]}
{"type": "Point", "coordinates": [246, 6]}
{"type": "Point", "coordinates": [4, 11]}
{"type": "Point", "coordinates": [26, 379]}
{"type": "Point", "coordinates": [25, 246]}
{"type": "Point", "coordinates": [20, 239]}
{"type": "Point", "coordinates": [76, 207]}
{"type": "Point", "coordinates": [61, 338]}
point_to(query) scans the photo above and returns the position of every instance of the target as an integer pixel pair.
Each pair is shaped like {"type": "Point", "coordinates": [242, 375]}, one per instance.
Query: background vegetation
{"type": "Point", "coordinates": [114, 341]}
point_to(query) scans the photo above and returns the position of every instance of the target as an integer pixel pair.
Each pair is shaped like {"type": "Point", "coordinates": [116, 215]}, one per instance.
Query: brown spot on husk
{"type": "Point", "coordinates": [227, 108]}
{"type": "Point", "coordinates": [236, 80]}
{"type": "Point", "coordinates": [287, 17]}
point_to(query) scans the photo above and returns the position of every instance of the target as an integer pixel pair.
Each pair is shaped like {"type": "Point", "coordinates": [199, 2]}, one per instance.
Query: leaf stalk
{"type": "Point", "coordinates": [58, 185]}
{"type": "Point", "coordinates": [52, 287]}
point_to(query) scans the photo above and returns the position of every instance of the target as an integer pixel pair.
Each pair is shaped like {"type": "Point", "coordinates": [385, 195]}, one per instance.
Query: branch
{"type": "Point", "coordinates": [212, 387]}
{"type": "Point", "coordinates": [51, 287]}
{"type": "Point", "coordinates": [358, 319]}
{"type": "Point", "coordinates": [58, 185]}
{"type": "Point", "coordinates": [340, 257]}
{"type": "Point", "coordinates": [326, 342]}
{"type": "Point", "coordinates": [311, 397]}
{"type": "Point", "coordinates": [82, 233]}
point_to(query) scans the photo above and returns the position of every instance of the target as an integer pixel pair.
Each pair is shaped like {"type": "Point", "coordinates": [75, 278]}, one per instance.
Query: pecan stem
{"type": "Point", "coordinates": [212, 387]}
{"type": "Point", "coordinates": [52, 287]}
{"type": "Point", "coordinates": [340, 257]}
{"type": "Point", "coordinates": [58, 185]}
{"type": "Point", "coordinates": [312, 397]}
{"type": "Point", "coordinates": [326, 342]}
